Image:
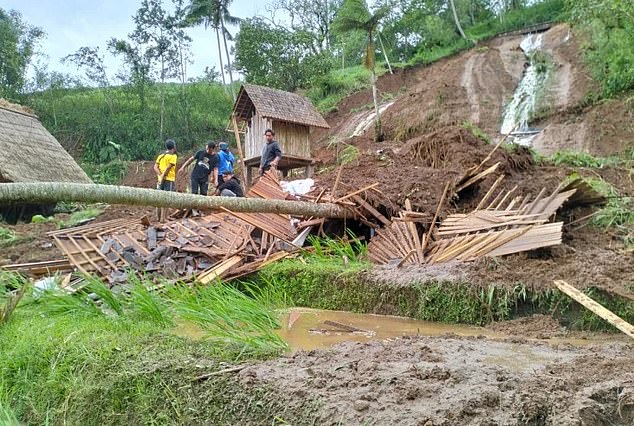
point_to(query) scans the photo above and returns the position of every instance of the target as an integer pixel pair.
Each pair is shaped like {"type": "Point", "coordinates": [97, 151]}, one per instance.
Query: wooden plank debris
{"type": "Point", "coordinates": [596, 308]}
{"type": "Point", "coordinates": [498, 230]}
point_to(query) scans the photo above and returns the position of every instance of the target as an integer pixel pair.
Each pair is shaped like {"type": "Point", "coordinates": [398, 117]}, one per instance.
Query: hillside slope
{"type": "Point", "coordinates": [477, 85]}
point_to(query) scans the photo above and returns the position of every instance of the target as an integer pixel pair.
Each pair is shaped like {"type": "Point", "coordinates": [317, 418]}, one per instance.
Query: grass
{"type": "Point", "coordinates": [617, 213]}
{"type": "Point", "coordinates": [80, 217]}
{"type": "Point", "coordinates": [7, 237]}
{"type": "Point", "coordinates": [476, 131]}
{"type": "Point", "coordinates": [338, 84]}
{"type": "Point", "coordinates": [109, 174]}
{"type": "Point", "coordinates": [114, 360]}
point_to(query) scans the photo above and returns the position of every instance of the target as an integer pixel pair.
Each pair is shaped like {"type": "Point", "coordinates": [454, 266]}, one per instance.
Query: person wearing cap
{"type": "Point", "coordinates": [230, 187]}
{"type": "Point", "coordinates": [225, 161]}
{"type": "Point", "coordinates": [206, 168]}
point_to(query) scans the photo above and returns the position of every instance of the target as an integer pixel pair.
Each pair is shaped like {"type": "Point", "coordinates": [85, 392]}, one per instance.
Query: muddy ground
{"type": "Point", "coordinates": [456, 381]}
{"type": "Point", "coordinates": [450, 380]}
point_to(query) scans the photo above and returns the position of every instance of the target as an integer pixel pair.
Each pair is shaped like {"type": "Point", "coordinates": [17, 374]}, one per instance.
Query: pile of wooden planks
{"type": "Point", "coordinates": [502, 224]}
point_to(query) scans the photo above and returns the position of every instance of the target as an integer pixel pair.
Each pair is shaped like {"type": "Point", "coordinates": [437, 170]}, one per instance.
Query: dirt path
{"type": "Point", "coordinates": [456, 381]}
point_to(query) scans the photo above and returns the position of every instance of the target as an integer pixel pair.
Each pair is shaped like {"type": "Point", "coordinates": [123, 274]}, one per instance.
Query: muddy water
{"type": "Point", "coordinates": [306, 329]}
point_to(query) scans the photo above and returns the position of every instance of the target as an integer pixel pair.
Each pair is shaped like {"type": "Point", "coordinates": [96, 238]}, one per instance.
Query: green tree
{"type": "Point", "coordinates": [354, 15]}
{"type": "Point", "coordinates": [214, 14]}
{"type": "Point", "coordinates": [17, 46]}
{"type": "Point", "coordinates": [610, 26]}
{"type": "Point", "coordinates": [315, 17]}
{"type": "Point", "coordinates": [276, 57]}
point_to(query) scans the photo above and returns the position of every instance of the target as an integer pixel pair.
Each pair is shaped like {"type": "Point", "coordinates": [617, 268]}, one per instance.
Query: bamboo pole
{"type": "Point", "coordinates": [243, 166]}
{"type": "Point", "coordinates": [596, 308]}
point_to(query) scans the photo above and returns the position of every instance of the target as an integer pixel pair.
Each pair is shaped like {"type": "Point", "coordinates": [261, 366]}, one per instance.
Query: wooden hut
{"type": "Point", "coordinates": [290, 116]}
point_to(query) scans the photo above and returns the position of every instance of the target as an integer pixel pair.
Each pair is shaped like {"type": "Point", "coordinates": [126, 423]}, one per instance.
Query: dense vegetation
{"type": "Point", "coordinates": [101, 115]}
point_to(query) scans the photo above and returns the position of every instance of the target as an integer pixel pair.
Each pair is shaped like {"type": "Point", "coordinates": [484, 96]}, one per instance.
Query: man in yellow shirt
{"type": "Point", "coordinates": [165, 169]}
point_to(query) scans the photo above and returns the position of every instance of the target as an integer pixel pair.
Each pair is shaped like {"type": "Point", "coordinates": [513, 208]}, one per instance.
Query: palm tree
{"type": "Point", "coordinates": [354, 15]}
{"type": "Point", "coordinates": [52, 192]}
{"type": "Point", "coordinates": [214, 14]}
{"type": "Point", "coordinates": [456, 20]}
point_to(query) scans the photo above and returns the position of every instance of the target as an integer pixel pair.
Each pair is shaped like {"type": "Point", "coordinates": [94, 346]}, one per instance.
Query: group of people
{"type": "Point", "coordinates": [212, 167]}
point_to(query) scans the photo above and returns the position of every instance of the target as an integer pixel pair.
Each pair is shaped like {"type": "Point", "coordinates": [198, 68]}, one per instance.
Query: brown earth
{"type": "Point", "coordinates": [449, 380]}
{"type": "Point", "coordinates": [455, 381]}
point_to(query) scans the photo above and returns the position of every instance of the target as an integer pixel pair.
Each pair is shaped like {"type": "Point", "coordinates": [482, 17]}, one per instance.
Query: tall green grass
{"type": "Point", "coordinates": [101, 355]}
{"type": "Point", "coordinates": [242, 325]}
{"type": "Point", "coordinates": [336, 250]}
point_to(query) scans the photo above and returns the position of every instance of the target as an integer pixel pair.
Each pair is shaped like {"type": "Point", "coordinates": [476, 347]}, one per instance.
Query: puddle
{"type": "Point", "coordinates": [306, 329]}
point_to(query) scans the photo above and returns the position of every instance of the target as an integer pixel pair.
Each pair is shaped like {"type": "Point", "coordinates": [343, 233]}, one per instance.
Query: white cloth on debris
{"type": "Point", "coordinates": [297, 187]}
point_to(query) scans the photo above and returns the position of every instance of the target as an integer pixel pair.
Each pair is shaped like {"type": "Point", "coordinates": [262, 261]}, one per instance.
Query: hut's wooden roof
{"type": "Point", "coordinates": [29, 153]}
{"type": "Point", "coordinates": [278, 105]}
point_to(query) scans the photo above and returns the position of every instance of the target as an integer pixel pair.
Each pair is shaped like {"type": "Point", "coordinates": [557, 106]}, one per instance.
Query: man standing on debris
{"type": "Point", "coordinates": [206, 166]}
{"type": "Point", "coordinates": [230, 187]}
{"type": "Point", "coordinates": [271, 153]}
{"type": "Point", "coordinates": [225, 161]}
{"type": "Point", "coordinates": [165, 169]}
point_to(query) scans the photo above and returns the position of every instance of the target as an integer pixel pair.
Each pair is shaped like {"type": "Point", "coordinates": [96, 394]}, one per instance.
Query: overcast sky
{"type": "Point", "coordinates": [71, 24]}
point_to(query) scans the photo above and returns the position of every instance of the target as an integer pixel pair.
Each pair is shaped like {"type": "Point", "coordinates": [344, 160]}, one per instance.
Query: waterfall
{"type": "Point", "coordinates": [519, 110]}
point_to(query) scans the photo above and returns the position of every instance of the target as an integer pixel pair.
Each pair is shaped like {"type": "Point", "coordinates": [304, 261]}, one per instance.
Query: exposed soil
{"type": "Point", "coordinates": [451, 381]}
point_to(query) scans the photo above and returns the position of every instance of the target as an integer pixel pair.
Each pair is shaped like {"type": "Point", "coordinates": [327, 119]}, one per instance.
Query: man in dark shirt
{"type": "Point", "coordinates": [206, 167]}
{"type": "Point", "coordinates": [271, 153]}
{"type": "Point", "coordinates": [230, 187]}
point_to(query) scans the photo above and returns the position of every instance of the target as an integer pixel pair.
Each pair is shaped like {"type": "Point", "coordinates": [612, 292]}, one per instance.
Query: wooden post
{"type": "Point", "coordinates": [236, 133]}
{"type": "Point", "coordinates": [586, 301]}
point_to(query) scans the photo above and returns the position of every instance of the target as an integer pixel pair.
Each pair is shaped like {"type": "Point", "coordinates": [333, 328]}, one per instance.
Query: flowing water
{"type": "Point", "coordinates": [522, 106]}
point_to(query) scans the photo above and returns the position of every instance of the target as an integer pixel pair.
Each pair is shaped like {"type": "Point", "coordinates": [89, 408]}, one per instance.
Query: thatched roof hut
{"type": "Point", "coordinates": [291, 116]}
{"type": "Point", "coordinates": [30, 153]}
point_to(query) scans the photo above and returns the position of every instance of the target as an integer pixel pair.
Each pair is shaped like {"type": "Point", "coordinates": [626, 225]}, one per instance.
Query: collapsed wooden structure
{"type": "Point", "coordinates": [226, 244]}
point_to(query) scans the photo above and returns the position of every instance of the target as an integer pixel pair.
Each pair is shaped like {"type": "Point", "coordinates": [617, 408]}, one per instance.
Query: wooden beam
{"type": "Point", "coordinates": [243, 167]}
{"type": "Point", "coordinates": [593, 306]}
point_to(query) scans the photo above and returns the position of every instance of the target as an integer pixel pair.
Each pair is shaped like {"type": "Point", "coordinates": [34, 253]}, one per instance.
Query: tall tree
{"type": "Point", "coordinates": [156, 39]}
{"type": "Point", "coordinates": [17, 46]}
{"type": "Point", "coordinates": [277, 57]}
{"type": "Point", "coordinates": [456, 20]}
{"type": "Point", "coordinates": [214, 14]}
{"type": "Point", "coordinates": [354, 15]}
{"type": "Point", "coordinates": [315, 17]}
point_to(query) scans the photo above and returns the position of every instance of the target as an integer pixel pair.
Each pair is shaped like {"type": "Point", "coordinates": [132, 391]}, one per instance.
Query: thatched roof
{"type": "Point", "coordinates": [278, 105]}
{"type": "Point", "coordinates": [29, 153]}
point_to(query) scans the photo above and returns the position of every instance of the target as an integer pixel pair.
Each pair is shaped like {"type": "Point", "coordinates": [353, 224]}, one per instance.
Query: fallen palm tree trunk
{"type": "Point", "coordinates": [51, 192]}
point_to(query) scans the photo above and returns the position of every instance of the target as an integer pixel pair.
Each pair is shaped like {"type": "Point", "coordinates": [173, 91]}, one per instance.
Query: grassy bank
{"type": "Point", "coordinates": [69, 360]}
{"type": "Point", "coordinates": [329, 285]}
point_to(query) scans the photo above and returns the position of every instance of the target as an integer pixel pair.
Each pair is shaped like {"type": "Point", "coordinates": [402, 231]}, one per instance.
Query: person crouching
{"type": "Point", "coordinates": [230, 187]}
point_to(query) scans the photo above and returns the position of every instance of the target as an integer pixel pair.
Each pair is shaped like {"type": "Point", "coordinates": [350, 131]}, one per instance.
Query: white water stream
{"type": "Point", "coordinates": [524, 100]}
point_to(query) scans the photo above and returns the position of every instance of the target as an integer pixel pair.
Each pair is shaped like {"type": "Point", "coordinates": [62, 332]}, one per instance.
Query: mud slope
{"type": "Point", "coordinates": [476, 85]}
{"type": "Point", "coordinates": [456, 381]}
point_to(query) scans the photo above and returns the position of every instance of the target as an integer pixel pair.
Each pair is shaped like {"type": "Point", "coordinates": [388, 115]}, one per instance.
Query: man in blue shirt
{"type": "Point", "coordinates": [225, 161]}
